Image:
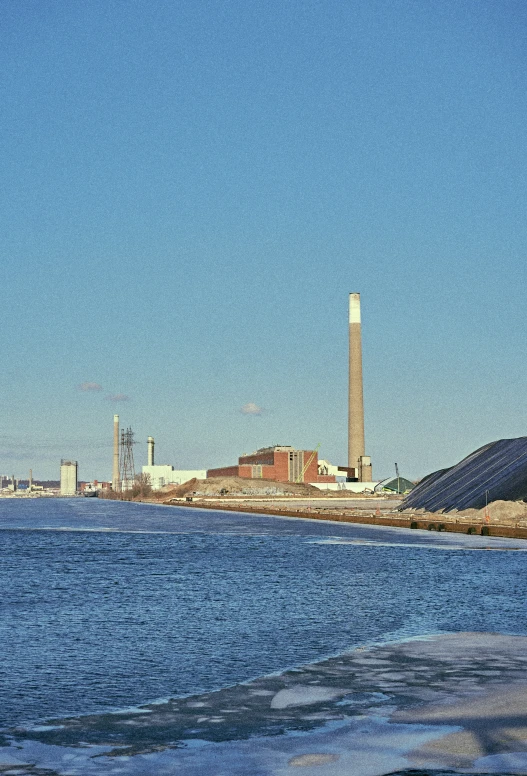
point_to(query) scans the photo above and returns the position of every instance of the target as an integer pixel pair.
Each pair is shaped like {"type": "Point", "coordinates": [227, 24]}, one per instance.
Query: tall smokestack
{"type": "Point", "coordinates": [116, 485]}
{"type": "Point", "coordinates": [150, 443]}
{"type": "Point", "coordinates": [356, 401]}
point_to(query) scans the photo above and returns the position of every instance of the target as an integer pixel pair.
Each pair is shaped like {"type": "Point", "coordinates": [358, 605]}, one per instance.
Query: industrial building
{"type": "Point", "coordinates": [68, 477]}
{"type": "Point", "coordinates": [279, 463]}
{"type": "Point", "coordinates": [8, 482]}
{"type": "Point", "coordinates": [167, 475]}
{"type": "Point", "coordinates": [95, 486]}
{"type": "Point", "coordinates": [164, 474]}
{"type": "Point", "coordinates": [286, 464]}
{"type": "Point", "coordinates": [399, 485]}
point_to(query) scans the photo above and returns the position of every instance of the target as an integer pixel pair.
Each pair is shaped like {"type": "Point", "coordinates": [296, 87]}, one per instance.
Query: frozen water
{"type": "Point", "coordinates": [186, 607]}
{"type": "Point", "coordinates": [302, 695]}
{"type": "Point", "coordinates": [375, 734]}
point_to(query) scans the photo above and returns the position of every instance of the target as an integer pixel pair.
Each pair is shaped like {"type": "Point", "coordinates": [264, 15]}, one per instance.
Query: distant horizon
{"type": "Point", "coordinates": [40, 480]}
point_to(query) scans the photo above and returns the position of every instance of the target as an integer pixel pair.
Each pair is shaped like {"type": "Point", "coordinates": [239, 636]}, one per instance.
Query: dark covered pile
{"type": "Point", "coordinates": [497, 471]}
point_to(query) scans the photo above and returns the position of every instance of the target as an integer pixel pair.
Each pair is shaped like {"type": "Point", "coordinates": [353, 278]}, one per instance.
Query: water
{"type": "Point", "coordinates": [171, 601]}
{"type": "Point", "coordinates": [109, 605]}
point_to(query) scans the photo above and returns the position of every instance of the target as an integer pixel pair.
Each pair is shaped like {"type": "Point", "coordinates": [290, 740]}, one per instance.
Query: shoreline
{"type": "Point", "coordinates": [430, 522]}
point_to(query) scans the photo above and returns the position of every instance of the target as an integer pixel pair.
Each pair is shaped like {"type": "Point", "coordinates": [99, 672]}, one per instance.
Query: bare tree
{"type": "Point", "coordinates": [142, 486]}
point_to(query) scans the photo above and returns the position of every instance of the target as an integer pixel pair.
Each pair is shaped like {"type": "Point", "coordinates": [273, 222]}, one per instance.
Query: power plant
{"type": "Point", "coordinates": [266, 463]}
{"type": "Point", "coordinates": [281, 463]}
{"type": "Point", "coordinates": [286, 464]}
{"type": "Point", "coordinates": [165, 474]}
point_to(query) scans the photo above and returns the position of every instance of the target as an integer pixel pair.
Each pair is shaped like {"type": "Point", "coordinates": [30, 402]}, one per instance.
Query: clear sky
{"type": "Point", "coordinates": [190, 190]}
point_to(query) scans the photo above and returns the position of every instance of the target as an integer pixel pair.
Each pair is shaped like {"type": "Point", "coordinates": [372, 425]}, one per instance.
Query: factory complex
{"type": "Point", "coordinates": [497, 471]}
{"type": "Point", "coordinates": [278, 463]}
{"type": "Point", "coordinates": [11, 487]}
{"type": "Point", "coordinates": [159, 476]}
{"type": "Point", "coordinates": [287, 464]}
{"type": "Point", "coordinates": [283, 464]}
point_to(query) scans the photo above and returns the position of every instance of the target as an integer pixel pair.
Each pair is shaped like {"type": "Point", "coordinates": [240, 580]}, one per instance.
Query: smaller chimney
{"type": "Point", "coordinates": [116, 482]}
{"type": "Point", "coordinates": [150, 443]}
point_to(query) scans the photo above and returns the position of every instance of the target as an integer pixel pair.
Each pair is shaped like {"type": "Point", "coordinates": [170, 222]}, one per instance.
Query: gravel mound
{"type": "Point", "coordinates": [504, 512]}
{"type": "Point", "coordinates": [237, 486]}
{"type": "Point", "coordinates": [499, 512]}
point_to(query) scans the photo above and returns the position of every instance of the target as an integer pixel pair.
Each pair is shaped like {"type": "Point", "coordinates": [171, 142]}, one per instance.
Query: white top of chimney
{"type": "Point", "coordinates": [354, 308]}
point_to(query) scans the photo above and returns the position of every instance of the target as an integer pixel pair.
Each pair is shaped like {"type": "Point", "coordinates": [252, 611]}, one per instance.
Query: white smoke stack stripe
{"type": "Point", "coordinates": [354, 308]}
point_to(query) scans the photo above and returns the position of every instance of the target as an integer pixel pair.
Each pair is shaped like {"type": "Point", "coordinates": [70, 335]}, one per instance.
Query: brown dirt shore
{"type": "Point", "coordinates": [501, 518]}
{"type": "Point", "coordinates": [440, 523]}
{"type": "Point", "coordinates": [396, 519]}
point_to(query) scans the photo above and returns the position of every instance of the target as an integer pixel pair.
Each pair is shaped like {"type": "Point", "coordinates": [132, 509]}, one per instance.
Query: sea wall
{"type": "Point", "coordinates": [428, 521]}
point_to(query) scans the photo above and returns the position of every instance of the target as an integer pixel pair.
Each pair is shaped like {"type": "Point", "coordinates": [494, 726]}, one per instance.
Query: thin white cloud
{"type": "Point", "coordinates": [118, 397]}
{"type": "Point", "coordinates": [89, 387]}
{"type": "Point", "coordinates": [17, 454]}
{"type": "Point", "coordinates": [251, 409]}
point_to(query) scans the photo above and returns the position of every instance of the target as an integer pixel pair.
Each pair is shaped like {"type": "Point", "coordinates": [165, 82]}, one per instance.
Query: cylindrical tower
{"type": "Point", "coordinates": [356, 444]}
{"type": "Point", "coordinates": [150, 443]}
{"type": "Point", "coordinates": [116, 484]}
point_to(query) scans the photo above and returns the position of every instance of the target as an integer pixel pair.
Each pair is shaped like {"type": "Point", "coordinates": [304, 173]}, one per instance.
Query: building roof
{"type": "Point", "coordinates": [273, 449]}
{"type": "Point", "coordinates": [496, 471]}
{"type": "Point", "coordinates": [398, 485]}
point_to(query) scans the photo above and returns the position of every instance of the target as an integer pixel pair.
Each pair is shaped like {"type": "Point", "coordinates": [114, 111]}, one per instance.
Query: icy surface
{"type": "Point", "coordinates": [302, 695]}
{"type": "Point", "coordinates": [120, 625]}
{"type": "Point", "coordinates": [439, 708]}
{"type": "Point", "coordinates": [180, 602]}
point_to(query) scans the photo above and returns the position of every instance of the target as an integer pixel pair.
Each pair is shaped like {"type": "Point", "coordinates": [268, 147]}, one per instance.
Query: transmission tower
{"type": "Point", "coordinates": [126, 459]}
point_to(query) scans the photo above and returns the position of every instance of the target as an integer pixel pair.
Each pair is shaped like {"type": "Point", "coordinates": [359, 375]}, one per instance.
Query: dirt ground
{"type": "Point", "coordinates": [499, 512]}
{"type": "Point", "coordinates": [241, 486]}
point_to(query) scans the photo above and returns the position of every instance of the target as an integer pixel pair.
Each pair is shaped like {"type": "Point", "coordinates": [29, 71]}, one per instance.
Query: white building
{"type": "Point", "coordinates": [352, 487]}
{"type": "Point", "coordinates": [325, 467]}
{"type": "Point", "coordinates": [167, 475]}
{"type": "Point", "coordinates": [68, 478]}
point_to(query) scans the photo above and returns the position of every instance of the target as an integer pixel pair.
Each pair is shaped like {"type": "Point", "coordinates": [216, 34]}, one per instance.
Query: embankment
{"type": "Point", "coordinates": [450, 523]}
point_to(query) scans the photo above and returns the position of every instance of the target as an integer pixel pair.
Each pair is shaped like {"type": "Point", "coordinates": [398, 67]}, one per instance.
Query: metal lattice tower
{"type": "Point", "coordinates": [126, 460]}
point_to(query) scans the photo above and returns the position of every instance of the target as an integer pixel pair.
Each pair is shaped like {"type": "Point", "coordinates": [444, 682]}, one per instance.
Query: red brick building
{"type": "Point", "coordinates": [283, 464]}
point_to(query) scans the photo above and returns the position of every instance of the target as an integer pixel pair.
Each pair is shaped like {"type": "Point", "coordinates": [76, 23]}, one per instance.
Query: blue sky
{"type": "Point", "coordinates": [191, 189]}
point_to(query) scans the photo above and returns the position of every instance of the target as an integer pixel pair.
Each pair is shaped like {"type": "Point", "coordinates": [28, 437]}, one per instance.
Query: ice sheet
{"type": "Point", "coordinates": [434, 703]}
